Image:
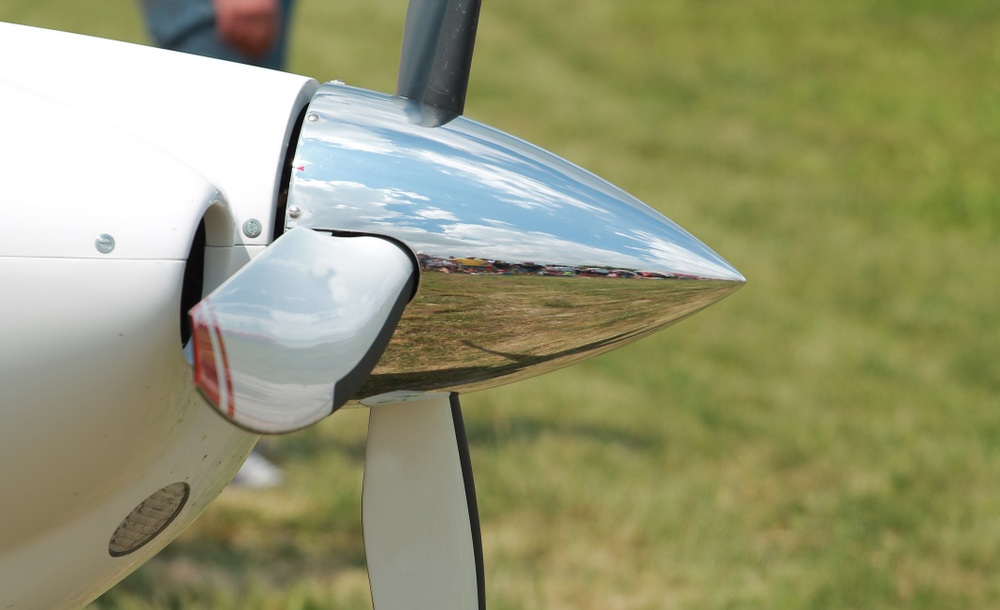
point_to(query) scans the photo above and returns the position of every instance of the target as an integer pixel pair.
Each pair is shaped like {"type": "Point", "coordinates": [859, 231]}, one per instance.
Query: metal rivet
{"type": "Point", "coordinates": [294, 211]}
{"type": "Point", "coordinates": [105, 243]}
{"type": "Point", "coordinates": [252, 228]}
{"type": "Point", "coordinates": [289, 225]}
{"type": "Point", "coordinates": [312, 117]}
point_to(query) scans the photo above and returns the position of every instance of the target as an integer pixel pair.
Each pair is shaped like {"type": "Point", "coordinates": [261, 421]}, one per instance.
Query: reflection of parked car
{"type": "Point", "coordinates": [473, 265]}
{"type": "Point", "coordinates": [621, 273]}
{"type": "Point", "coordinates": [593, 272]}
{"type": "Point", "coordinates": [503, 268]}
{"type": "Point", "coordinates": [650, 275]}
{"type": "Point", "coordinates": [557, 270]}
{"type": "Point", "coordinates": [529, 268]}
{"type": "Point", "coordinates": [442, 266]}
{"type": "Point", "coordinates": [435, 263]}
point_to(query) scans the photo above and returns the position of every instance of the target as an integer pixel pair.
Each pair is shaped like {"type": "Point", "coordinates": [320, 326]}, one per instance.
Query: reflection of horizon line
{"type": "Point", "coordinates": [610, 271]}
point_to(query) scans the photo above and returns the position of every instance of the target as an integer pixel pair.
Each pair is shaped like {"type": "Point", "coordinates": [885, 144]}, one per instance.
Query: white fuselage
{"type": "Point", "coordinates": [111, 156]}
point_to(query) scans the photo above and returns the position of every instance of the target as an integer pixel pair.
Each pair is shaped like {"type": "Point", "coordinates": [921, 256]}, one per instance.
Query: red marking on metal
{"type": "Point", "coordinates": [301, 168]}
{"type": "Point", "coordinates": [231, 407]}
{"type": "Point", "coordinates": [206, 369]}
{"type": "Point", "coordinates": [206, 374]}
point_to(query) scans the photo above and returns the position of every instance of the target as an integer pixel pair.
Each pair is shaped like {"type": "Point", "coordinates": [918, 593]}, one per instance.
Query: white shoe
{"type": "Point", "coordinates": [258, 473]}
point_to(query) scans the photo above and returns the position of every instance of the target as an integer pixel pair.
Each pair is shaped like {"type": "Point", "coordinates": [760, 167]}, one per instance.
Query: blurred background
{"type": "Point", "coordinates": [827, 437]}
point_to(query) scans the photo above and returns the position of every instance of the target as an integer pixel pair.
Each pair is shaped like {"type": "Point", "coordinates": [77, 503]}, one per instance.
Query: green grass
{"type": "Point", "coordinates": [828, 437]}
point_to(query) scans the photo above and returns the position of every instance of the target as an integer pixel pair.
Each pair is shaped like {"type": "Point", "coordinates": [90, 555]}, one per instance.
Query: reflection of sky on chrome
{"type": "Point", "coordinates": [672, 256]}
{"type": "Point", "coordinates": [307, 289]}
{"type": "Point", "coordinates": [516, 189]}
{"type": "Point", "coordinates": [466, 190]}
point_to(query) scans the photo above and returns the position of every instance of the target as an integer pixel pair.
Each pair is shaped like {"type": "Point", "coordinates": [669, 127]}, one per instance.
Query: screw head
{"type": "Point", "coordinates": [294, 211]}
{"type": "Point", "coordinates": [104, 243]}
{"type": "Point", "coordinates": [252, 228]}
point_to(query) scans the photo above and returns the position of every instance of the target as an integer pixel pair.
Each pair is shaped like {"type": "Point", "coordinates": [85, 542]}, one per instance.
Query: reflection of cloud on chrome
{"type": "Point", "coordinates": [314, 195]}
{"type": "Point", "coordinates": [517, 246]}
{"type": "Point", "coordinates": [436, 214]}
{"type": "Point", "coordinates": [507, 186]}
{"type": "Point", "coordinates": [466, 190]}
{"type": "Point", "coordinates": [329, 186]}
{"type": "Point", "coordinates": [467, 150]}
{"type": "Point", "coordinates": [318, 197]}
{"type": "Point", "coordinates": [404, 215]}
{"type": "Point", "coordinates": [337, 191]}
{"type": "Point", "coordinates": [395, 195]}
{"type": "Point", "coordinates": [355, 138]}
{"type": "Point", "coordinates": [497, 223]}
{"type": "Point", "coordinates": [679, 259]}
{"type": "Point", "coordinates": [308, 289]}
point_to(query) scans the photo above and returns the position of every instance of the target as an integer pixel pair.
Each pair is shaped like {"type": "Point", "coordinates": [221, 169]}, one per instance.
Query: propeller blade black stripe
{"type": "Point", "coordinates": [470, 496]}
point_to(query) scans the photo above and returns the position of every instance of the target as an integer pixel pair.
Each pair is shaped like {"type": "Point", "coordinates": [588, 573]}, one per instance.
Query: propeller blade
{"type": "Point", "coordinates": [419, 513]}
{"type": "Point", "coordinates": [436, 57]}
{"type": "Point", "coordinates": [291, 337]}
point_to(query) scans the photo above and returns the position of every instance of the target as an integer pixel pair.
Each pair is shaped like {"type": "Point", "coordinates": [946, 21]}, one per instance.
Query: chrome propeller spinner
{"type": "Point", "coordinates": [504, 232]}
{"type": "Point", "coordinates": [514, 262]}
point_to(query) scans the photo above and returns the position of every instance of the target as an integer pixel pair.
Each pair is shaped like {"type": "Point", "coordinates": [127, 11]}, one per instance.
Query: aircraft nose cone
{"type": "Point", "coordinates": [528, 262]}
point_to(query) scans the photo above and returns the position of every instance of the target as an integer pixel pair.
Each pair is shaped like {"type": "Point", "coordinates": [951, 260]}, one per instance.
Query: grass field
{"type": "Point", "coordinates": [827, 437]}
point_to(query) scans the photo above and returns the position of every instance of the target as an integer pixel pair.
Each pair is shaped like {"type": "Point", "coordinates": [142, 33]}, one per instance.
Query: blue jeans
{"type": "Point", "coordinates": [189, 26]}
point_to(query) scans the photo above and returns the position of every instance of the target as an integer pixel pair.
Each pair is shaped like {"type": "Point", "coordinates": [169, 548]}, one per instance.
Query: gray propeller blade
{"type": "Point", "coordinates": [436, 57]}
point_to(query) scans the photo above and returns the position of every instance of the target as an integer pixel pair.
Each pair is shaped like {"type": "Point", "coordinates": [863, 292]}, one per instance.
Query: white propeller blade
{"type": "Point", "coordinates": [293, 335]}
{"type": "Point", "coordinates": [421, 523]}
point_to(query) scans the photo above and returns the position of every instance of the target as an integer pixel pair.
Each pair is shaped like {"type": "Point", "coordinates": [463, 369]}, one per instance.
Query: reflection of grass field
{"type": "Point", "coordinates": [464, 330]}
{"type": "Point", "coordinates": [828, 437]}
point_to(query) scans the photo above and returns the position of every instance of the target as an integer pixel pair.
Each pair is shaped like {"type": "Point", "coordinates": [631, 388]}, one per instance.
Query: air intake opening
{"type": "Point", "coordinates": [194, 280]}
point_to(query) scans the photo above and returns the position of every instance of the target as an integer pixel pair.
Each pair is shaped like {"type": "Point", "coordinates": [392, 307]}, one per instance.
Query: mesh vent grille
{"type": "Point", "coordinates": [148, 519]}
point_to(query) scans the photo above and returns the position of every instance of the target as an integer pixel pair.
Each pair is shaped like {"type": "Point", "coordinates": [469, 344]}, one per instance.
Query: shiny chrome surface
{"type": "Point", "coordinates": [306, 304]}
{"type": "Point", "coordinates": [528, 262]}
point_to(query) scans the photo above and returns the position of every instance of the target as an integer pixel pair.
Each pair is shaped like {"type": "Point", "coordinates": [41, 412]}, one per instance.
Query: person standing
{"type": "Point", "coordinates": [246, 31]}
